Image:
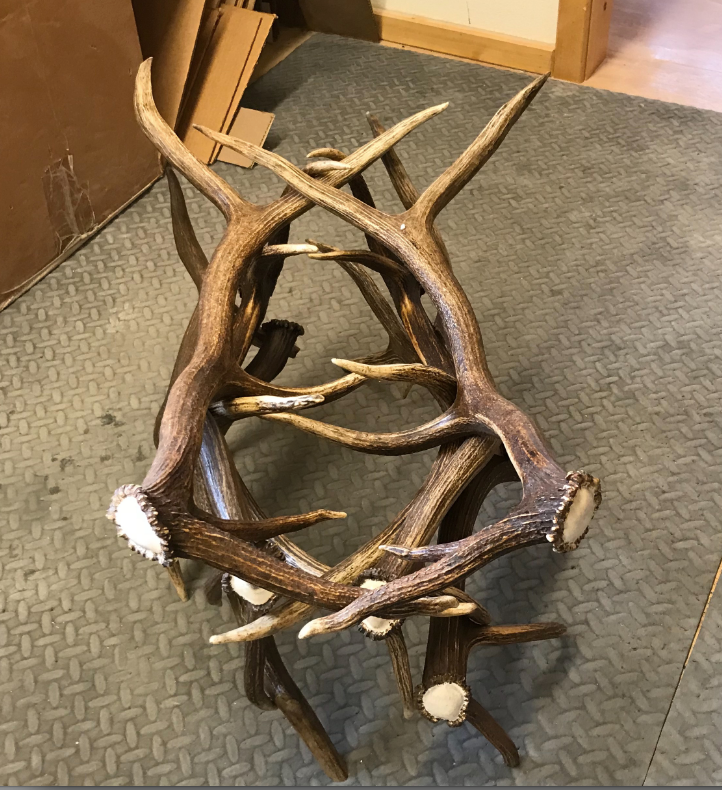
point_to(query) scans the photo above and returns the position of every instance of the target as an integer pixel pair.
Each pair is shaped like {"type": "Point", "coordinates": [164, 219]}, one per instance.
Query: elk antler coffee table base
{"type": "Point", "coordinates": [193, 503]}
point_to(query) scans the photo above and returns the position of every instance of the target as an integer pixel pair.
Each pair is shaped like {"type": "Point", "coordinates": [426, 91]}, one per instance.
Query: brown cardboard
{"type": "Point", "coordinates": [209, 23]}
{"type": "Point", "coordinates": [351, 18]}
{"type": "Point", "coordinates": [264, 28]}
{"type": "Point", "coordinates": [168, 31]}
{"type": "Point", "coordinates": [213, 91]}
{"type": "Point", "coordinates": [72, 154]}
{"type": "Point", "coordinates": [252, 126]}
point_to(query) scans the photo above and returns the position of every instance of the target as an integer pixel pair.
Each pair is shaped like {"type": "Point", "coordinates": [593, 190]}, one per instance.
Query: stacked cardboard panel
{"type": "Point", "coordinates": [226, 67]}
{"type": "Point", "coordinates": [204, 53]}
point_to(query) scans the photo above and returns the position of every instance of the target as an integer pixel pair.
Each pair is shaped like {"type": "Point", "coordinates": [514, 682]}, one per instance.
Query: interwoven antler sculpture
{"type": "Point", "coordinates": [193, 503]}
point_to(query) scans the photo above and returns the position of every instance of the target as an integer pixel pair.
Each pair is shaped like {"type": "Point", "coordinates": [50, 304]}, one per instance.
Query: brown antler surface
{"type": "Point", "coordinates": [193, 503]}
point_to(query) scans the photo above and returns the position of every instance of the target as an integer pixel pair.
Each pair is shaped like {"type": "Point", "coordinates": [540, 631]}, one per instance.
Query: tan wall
{"type": "Point", "coordinates": [535, 20]}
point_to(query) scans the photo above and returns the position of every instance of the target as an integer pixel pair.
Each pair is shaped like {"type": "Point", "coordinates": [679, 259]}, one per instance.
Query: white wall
{"type": "Point", "coordinates": [531, 19]}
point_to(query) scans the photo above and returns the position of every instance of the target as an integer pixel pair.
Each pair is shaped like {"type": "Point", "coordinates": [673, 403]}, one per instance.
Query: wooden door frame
{"type": "Point", "coordinates": [582, 36]}
{"type": "Point", "coordinates": [581, 41]}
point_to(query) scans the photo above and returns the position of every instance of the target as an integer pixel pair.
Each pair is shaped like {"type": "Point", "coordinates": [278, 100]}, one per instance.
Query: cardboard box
{"type": "Point", "coordinates": [72, 154]}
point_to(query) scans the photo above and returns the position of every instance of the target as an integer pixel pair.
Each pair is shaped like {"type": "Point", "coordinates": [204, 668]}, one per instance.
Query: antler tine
{"type": "Point", "coordinates": [194, 259]}
{"type": "Point", "coordinates": [399, 342]}
{"type": "Point", "coordinates": [371, 260]}
{"type": "Point", "coordinates": [408, 194]}
{"type": "Point", "coordinates": [264, 529]}
{"type": "Point", "coordinates": [189, 250]}
{"type": "Point", "coordinates": [255, 405]}
{"type": "Point", "coordinates": [227, 200]}
{"type": "Point", "coordinates": [404, 188]}
{"type": "Point", "coordinates": [446, 427]}
{"type": "Point", "coordinates": [246, 384]}
{"type": "Point", "coordinates": [440, 606]}
{"type": "Point", "coordinates": [287, 250]}
{"type": "Point", "coordinates": [458, 175]}
{"type": "Point", "coordinates": [320, 168]}
{"type": "Point", "coordinates": [288, 697]}
{"type": "Point", "coordinates": [332, 154]}
{"type": "Point", "coordinates": [415, 373]}
{"type": "Point", "coordinates": [399, 655]}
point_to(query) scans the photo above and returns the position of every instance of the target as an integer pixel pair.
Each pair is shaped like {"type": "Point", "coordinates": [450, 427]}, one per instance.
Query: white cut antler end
{"type": "Point", "coordinates": [249, 592]}
{"type": "Point", "coordinates": [376, 627]}
{"type": "Point", "coordinates": [581, 497]}
{"type": "Point", "coordinates": [445, 701]}
{"type": "Point", "coordinates": [136, 520]}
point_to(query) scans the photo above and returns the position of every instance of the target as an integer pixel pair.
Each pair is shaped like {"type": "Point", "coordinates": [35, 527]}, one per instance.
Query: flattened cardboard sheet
{"type": "Point", "coordinates": [255, 53]}
{"type": "Point", "coordinates": [222, 76]}
{"type": "Point", "coordinates": [168, 31]}
{"type": "Point", "coordinates": [253, 127]}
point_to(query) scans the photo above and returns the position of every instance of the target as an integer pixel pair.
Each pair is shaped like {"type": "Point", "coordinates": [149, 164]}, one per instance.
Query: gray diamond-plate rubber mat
{"type": "Point", "coordinates": [590, 246]}
{"type": "Point", "coordinates": [690, 748]}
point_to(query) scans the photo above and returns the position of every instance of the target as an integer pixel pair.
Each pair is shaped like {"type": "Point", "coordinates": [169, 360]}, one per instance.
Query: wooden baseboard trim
{"type": "Point", "coordinates": [477, 45]}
